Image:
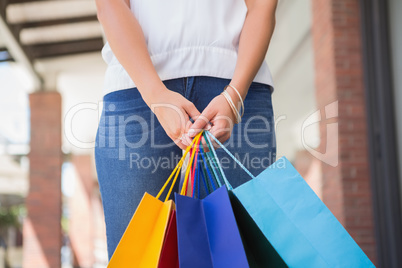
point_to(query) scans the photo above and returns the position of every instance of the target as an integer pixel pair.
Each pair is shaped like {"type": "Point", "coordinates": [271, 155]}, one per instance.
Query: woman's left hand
{"type": "Point", "coordinates": [217, 117]}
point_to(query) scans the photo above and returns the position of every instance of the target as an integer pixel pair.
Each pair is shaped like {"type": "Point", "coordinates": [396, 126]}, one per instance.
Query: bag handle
{"type": "Point", "coordinates": [212, 160]}
{"type": "Point", "coordinates": [201, 174]}
{"type": "Point", "coordinates": [207, 169]}
{"type": "Point", "coordinates": [185, 183]}
{"type": "Point", "coordinates": [209, 134]}
{"type": "Point", "coordinates": [196, 183]}
{"type": "Point", "coordinates": [191, 166]}
{"type": "Point", "coordinates": [195, 178]}
{"type": "Point", "coordinates": [209, 161]}
{"type": "Point", "coordinates": [198, 168]}
{"type": "Point", "coordinates": [193, 173]}
{"type": "Point", "coordinates": [203, 171]}
{"type": "Point", "coordinates": [177, 169]}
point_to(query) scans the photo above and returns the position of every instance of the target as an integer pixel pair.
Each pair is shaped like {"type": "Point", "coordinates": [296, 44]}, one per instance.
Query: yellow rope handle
{"type": "Point", "coordinates": [177, 169]}
{"type": "Point", "coordinates": [173, 183]}
{"type": "Point", "coordinates": [183, 189]}
{"type": "Point", "coordinates": [187, 169]}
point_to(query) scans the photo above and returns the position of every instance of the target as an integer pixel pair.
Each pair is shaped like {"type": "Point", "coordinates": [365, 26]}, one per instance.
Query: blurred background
{"type": "Point", "coordinates": [337, 68]}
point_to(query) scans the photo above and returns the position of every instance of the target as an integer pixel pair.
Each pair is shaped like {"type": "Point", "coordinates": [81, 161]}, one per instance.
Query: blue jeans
{"type": "Point", "coordinates": [134, 155]}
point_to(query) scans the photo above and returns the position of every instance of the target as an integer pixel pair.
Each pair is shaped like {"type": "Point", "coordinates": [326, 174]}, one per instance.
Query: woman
{"type": "Point", "coordinates": [173, 59]}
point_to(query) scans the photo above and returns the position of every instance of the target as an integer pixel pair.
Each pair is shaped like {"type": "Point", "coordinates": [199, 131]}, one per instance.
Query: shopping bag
{"type": "Point", "coordinates": [141, 243]}
{"type": "Point", "coordinates": [169, 256]}
{"type": "Point", "coordinates": [297, 224]}
{"type": "Point", "coordinates": [259, 251]}
{"type": "Point", "coordinates": [142, 240]}
{"type": "Point", "coordinates": [207, 232]}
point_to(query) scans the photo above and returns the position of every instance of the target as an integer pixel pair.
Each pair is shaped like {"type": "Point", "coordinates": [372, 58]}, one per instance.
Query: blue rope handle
{"type": "Point", "coordinates": [230, 154]}
{"type": "Point", "coordinates": [216, 179]}
{"type": "Point", "coordinates": [207, 169]}
{"type": "Point", "coordinates": [200, 173]}
{"type": "Point", "coordinates": [212, 164]}
{"type": "Point", "coordinates": [204, 182]}
{"type": "Point", "coordinates": [198, 182]}
{"type": "Point", "coordinates": [228, 185]}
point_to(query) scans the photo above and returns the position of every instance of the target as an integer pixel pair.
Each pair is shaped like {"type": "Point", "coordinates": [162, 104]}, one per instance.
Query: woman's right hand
{"type": "Point", "coordinates": [173, 112]}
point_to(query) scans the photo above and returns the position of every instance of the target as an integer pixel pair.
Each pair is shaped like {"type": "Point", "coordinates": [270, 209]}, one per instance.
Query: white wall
{"type": "Point", "coordinates": [79, 79]}
{"type": "Point", "coordinates": [290, 57]}
{"type": "Point", "coordinates": [395, 22]}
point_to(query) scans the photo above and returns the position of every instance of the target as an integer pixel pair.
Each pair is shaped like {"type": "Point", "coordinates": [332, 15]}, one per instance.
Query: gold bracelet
{"type": "Point", "coordinates": [238, 94]}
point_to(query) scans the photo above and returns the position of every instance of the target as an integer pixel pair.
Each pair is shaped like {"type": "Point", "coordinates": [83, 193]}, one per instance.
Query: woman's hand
{"type": "Point", "coordinates": [218, 118]}
{"type": "Point", "coordinates": [173, 112]}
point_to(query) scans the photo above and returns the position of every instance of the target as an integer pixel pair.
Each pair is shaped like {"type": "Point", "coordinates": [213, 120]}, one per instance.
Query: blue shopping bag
{"type": "Point", "coordinates": [297, 224]}
{"type": "Point", "coordinates": [207, 232]}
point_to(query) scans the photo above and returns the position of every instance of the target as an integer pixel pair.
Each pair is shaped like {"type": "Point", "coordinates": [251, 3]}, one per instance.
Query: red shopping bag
{"type": "Point", "coordinates": [169, 256]}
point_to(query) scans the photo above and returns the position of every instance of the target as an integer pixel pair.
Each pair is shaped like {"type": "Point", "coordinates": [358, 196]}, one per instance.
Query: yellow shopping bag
{"type": "Point", "coordinates": [141, 243]}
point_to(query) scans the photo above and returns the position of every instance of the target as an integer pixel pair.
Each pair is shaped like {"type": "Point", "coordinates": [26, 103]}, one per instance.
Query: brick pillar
{"type": "Point", "coordinates": [339, 77]}
{"type": "Point", "coordinates": [42, 226]}
{"type": "Point", "coordinates": [81, 223]}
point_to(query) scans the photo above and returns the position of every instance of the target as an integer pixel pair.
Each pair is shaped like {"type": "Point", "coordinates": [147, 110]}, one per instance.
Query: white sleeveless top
{"type": "Point", "coordinates": [186, 38]}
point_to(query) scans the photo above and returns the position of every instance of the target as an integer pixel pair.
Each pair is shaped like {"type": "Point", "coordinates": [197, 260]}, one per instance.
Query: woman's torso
{"type": "Point", "coordinates": [186, 38]}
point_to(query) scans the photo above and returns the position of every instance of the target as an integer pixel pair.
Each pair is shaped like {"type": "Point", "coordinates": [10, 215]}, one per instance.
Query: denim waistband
{"type": "Point", "coordinates": [132, 94]}
{"type": "Point", "coordinates": [122, 95]}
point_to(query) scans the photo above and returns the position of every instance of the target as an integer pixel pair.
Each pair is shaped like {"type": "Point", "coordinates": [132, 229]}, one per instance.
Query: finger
{"type": "Point", "coordinates": [186, 140]}
{"type": "Point", "coordinates": [178, 142]}
{"type": "Point", "coordinates": [223, 124]}
{"type": "Point", "coordinates": [221, 133]}
{"type": "Point", "coordinates": [184, 137]}
{"type": "Point", "coordinates": [182, 140]}
{"type": "Point", "coordinates": [191, 110]}
{"type": "Point", "coordinates": [201, 122]}
{"type": "Point", "coordinates": [208, 126]}
{"type": "Point", "coordinates": [181, 145]}
{"type": "Point", "coordinates": [188, 126]}
{"type": "Point", "coordinates": [213, 142]}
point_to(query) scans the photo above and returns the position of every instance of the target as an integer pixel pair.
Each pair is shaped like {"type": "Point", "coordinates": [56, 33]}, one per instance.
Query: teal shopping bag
{"type": "Point", "coordinates": [295, 222]}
